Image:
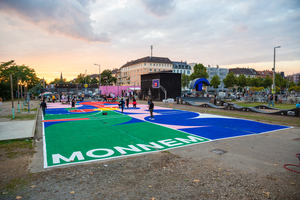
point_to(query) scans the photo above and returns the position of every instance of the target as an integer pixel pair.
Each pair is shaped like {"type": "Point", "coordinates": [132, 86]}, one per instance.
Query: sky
{"type": "Point", "coordinates": [71, 36]}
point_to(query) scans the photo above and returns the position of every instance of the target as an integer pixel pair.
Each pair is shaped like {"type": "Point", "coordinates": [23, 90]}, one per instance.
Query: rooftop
{"type": "Point", "coordinates": [149, 60]}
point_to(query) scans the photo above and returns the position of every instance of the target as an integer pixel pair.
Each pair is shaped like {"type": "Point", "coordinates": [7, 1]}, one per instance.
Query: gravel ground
{"type": "Point", "coordinates": [174, 174]}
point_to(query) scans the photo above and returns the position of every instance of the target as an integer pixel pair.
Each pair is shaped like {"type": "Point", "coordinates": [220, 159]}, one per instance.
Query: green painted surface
{"type": "Point", "coordinates": [102, 132]}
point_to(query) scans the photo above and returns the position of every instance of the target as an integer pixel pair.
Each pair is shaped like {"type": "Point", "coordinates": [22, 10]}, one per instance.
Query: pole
{"type": "Point", "coordinates": [21, 94]}
{"type": "Point", "coordinates": [18, 96]}
{"type": "Point", "coordinates": [12, 96]}
{"type": "Point", "coordinates": [274, 87]}
{"type": "Point", "coordinates": [274, 70]}
{"type": "Point", "coordinates": [28, 99]}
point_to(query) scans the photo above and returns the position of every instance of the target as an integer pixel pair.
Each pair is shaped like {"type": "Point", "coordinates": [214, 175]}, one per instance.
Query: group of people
{"type": "Point", "coordinates": [43, 105]}
{"type": "Point", "coordinates": [122, 103]}
{"type": "Point", "coordinates": [150, 105]}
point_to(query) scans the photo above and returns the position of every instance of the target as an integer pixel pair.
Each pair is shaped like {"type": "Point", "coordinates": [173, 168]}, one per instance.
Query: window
{"type": "Point", "coordinates": [159, 64]}
{"type": "Point", "coordinates": [159, 70]}
{"type": "Point", "coordinates": [188, 72]}
{"type": "Point", "coordinates": [177, 70]}
{"type": "Point", "coordinates": [150, 64]}
{"type": "Point", "coordinates": [180, 71]}
{"type": "Point", "coordinates": [150, 70]}
{"type": "Point", "coordinates": [144, 64]}
{"type": "Point", "coordinates": [155, 70]}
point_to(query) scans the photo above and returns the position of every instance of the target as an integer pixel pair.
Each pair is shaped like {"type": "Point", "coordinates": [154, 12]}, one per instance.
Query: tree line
{"type": "Point", "coordinates": [241, 81]}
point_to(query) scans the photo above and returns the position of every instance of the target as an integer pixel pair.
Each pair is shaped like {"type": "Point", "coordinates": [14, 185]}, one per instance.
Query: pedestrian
{"type": "Point", "coordinates": [151, 107]}
{"type": "Point", "coordinates": [82, 96]}
{"type": "Point", "coordinates": [127, 102]}
{"type": "Point", "coordinates": [53, 98]}
{"type": "Point", "coordinates": [43, 105]}
{"type": "Point", "coordinates": [122, 103]}
{"type": "Point", "coordinates": [276, 98]}
{"type": "Point", "coordinates": [134, 102]}
{"type": "Point", "coordinates": [271, 100]}
{"type": "Point", "coordinates": [73, 103]}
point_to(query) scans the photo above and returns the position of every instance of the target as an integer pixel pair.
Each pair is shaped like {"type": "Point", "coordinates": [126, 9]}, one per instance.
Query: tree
{"type": "Point", "coordinates": [230, 80]}
{"type": "Point", "coordinates": [215, 81]}
{"type": "Point", "coordinates": [80, 78]}
{"type": "Point", "coordinates": [241, 81]}
{"type": "Point", "coordinates": [107, 78]}
{"type": "Point", "coordinates": [24, 73]}
{"type": "Point", "coordinates": [94, 80]}
{"type": "Point", "coordinates": [185, 80]}
{"type": "Point", "coordinates": [268, 82]}
{"type": "Point", "coordinates": [58, 81]}
{"type": "Point", "coordinates": [199, 72]}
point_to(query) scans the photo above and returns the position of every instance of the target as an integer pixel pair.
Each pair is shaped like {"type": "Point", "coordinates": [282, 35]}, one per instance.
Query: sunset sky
{"type": "Point", "coordinates": [69, 36]}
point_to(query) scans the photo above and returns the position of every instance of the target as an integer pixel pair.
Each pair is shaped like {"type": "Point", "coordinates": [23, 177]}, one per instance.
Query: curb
{"type": "Point", "coordinates": [34, 126]}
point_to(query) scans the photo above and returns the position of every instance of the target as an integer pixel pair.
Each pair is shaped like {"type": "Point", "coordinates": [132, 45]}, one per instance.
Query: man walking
{"type": "Point", "coordinates": [151, 107]}
{"type": "Point", "coordinates": [271, 100]}
{"type": "Point", "coordinates": [122, 103]}
{"type": "Point", "coordinates": [43, 106]}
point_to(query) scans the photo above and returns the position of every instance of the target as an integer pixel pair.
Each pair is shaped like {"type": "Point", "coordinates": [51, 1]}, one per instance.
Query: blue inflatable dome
{"type": "Point", "coordinates": [198, 83]}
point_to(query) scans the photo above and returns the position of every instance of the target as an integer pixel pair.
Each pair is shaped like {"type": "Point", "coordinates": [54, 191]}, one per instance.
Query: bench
{"type": "Point", "coordinates": [111, 99]}
{"type": "Point", "coordinates": [64, 101]}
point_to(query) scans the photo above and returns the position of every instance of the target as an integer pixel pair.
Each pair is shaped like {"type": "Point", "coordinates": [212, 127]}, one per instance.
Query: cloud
{"type": "Point", "coordinates": [70, 18]}
{"type": "Point", "coordinates": [159, 8]}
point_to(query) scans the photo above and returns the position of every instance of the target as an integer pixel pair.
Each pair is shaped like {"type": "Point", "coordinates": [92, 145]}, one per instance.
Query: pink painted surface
{"type": "Point", "coordinates": [117, 89]}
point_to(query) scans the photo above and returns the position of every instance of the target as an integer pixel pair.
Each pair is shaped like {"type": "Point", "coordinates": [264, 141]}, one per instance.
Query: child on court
{"type": "Point", "coordinates": [134, 102]}
{"type": "Point", "coordinates": [73, 103]}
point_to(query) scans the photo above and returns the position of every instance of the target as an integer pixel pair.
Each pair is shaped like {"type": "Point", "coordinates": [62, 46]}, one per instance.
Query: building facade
{"type": "Point", "coordinates": [221, 72]}
{"type": "Point", "coordinates": [130, 73]}
{"type": "Point", "coordinates": [182, 68]}
{"type": "Point", "coordinates": [248, 72]}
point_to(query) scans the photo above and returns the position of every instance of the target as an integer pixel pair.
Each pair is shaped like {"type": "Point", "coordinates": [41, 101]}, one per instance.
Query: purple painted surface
{"type": "Point", "coordinates": [118, 89]}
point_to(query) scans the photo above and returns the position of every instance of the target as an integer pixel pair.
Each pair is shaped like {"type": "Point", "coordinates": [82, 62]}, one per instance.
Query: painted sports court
{"type": "Point", "coordinates": [87, 134]}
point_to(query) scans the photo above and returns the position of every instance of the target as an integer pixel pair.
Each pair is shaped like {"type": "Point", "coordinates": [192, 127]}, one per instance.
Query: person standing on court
{"type": "Point", "coordinates": [73, 103]}
{"type": "Point", "coordinates": [271, 100]}
{"type": "Point", "coordinates": [122, 103]}
{"type": "Point", "coordinates": [44, 107]}
{"type": "Point", "coordinates": [53, 98]}
{"type": "Point", "coordinates": [134, 102]}
{"type": "Point", "coordinates": [151, 107]}
{"type": "Point", "coordinates": [127, 102]}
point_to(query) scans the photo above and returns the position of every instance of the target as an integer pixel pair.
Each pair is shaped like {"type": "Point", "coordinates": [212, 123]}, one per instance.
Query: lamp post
{"type": "Point", "coordinates": [85, 80]}
{"type": "Point", "coordinates": [273, 88]}
{"type": "Point", "coordinates": [99, 77]}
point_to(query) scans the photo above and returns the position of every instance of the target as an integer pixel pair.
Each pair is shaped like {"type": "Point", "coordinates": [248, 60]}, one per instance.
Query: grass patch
{"type": "Point", "coordinates": [253, 104]}
{"type": "Point", "coordinates": [165, 152]}
{"type": "Point", "coordinates": [15, 148]}
{"type": "Point", "coordinates": [26, 109]}
{"type": "Point", "coordinates": [18, 183]}
{"type": "Point", "coordinates": [20, 116]}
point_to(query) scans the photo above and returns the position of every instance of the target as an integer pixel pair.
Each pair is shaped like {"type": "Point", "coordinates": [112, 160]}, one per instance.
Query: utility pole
{"type": "Point", "coordinates": [12, 96]}
{"type": "Point", "coordinates": [18, 96]}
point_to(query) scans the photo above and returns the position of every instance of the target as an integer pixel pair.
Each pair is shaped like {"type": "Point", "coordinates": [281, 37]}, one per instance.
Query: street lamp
{"type": "Point", "coordinates": [273, 91]}
{"type": "Point", "coordinates": [99, 75]}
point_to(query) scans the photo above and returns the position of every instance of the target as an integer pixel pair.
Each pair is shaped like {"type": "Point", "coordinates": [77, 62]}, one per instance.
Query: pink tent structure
{"type": "Point", "coordinates": [118, 89]}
